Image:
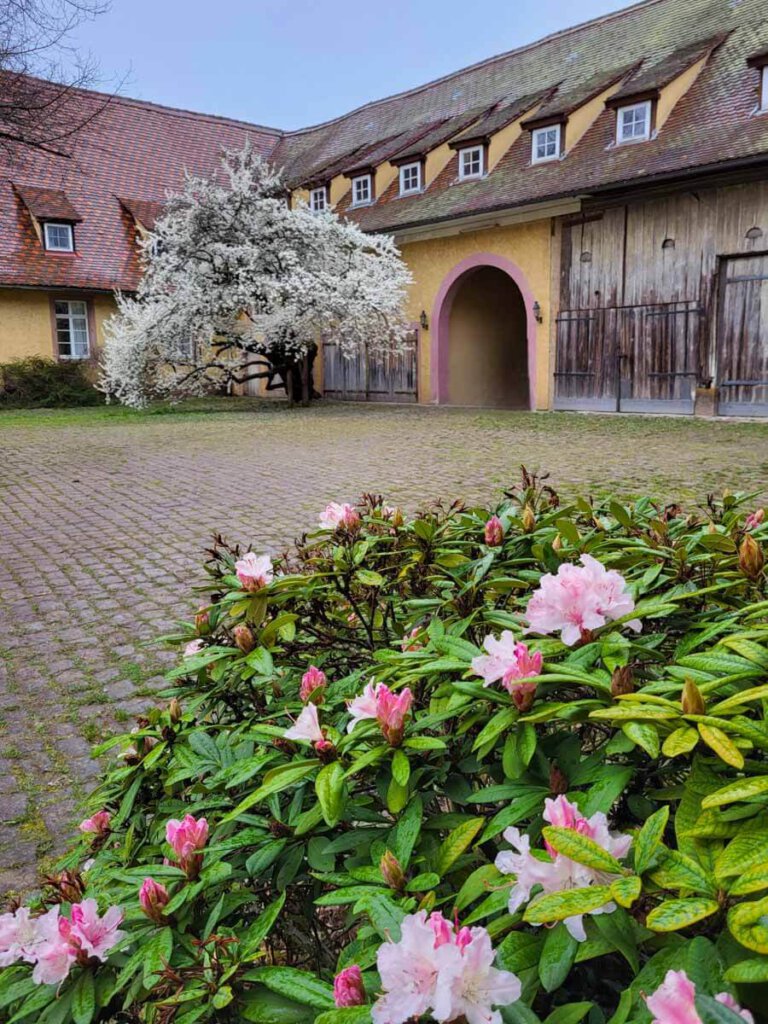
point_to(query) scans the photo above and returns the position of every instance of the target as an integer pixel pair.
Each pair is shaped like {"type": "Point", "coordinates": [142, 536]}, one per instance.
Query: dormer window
{"type": "Point", "coordinates": [546, 144]}
{"type": "Point", "coordinates": [633, 123]}
{"type": "Point", "coordinates": [318, 199]}
{"type": "Point", "coordinates": [59, 237]}
{"type": "Point", "coordinates": [471, 163]}
{"type": "Point", "coordinates": [362, 190]}
{"type": "Point", "coordinates": [410, 179]}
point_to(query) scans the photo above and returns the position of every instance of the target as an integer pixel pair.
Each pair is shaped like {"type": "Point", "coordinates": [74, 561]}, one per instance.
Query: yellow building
{"type": "Point", "coordinates": [585, 218]}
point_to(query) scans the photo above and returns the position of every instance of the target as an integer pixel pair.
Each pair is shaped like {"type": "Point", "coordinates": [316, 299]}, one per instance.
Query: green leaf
{"type": "Point", "coordinates": [748, 972]}
{"type": "Point", "coordinates": [424, 743]}
{"type": "Point", "coordinates": [605, 792]}
{"type": "Point", "coordinates": [264, 1007]}
{"type": "Point", "coordinates": [401, 767]}
{"type": "Point", "coordinates": [259, 861]}
{"type": "Point", "coordinates": [710, 1011]}
{"type": "Point", "coordinates": [495, 726]}
{"type": "Point", "coordinates": [252, 939]}
{"type": "Point", "coordinates": [581, 849]}
{"type": "Point", "coordinates": [644, 735]}
{"type": "Point", "coordinates": [156, 954]}
{"type": "Point", "coordinates": [649, 839]}
{"type": "Point", "coordinates": [456, 843]}
{"type": "Point", "coordinates": [329, 786]}
{"type": "Point", "coordinates": [557, 956]}
{"type": "Point", "coordinates": [369, 578]}
{"type": "Point", "coordinates": [384, 913]}
{"type": "Point", "coordinates": [300, 986]}
{"type": "Point", "coordinates": [556, 906]}
{"type": "Point", "coordinates": [405, 833]}
{"type": "Point", "coordinates": [274, 782]}
{"type": "Point", "coordinates": [672, 915]}
{"type": "Point", "coordinates": [397, 796]}
{"type": "Point", "coordinates": [223, 997]}
{"type": "Point", "coordinates": [570, 1013]}
{"type": "Point", "coordinates": [742, 789]}
{"type": "Point", "coordinates": [748, 923]}
{"type": "Point", "coordinates": [616, 929]}
{"type": "Point", "coordinates": [519, 951]}
{"type": "Point", "coordinates": [346, 1015]}
{"type": "Point", "coordinates": [479, 883]}
{"type": "Point", "coordinates": [84, 999]}
{"type": "Point", "coordinates": [681, 741]}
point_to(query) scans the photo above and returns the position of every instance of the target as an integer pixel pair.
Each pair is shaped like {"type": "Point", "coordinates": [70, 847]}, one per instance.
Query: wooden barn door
{"type": "Point", "coordinates": [372, 376]}
{"type": "Point", "coordinates": [585, 361]}
{"type": "Point", "coordinates": [742, 337]}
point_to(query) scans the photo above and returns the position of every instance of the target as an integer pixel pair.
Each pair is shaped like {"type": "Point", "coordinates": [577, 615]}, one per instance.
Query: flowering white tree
{"type": "Point", "coordinates": [239, 286]}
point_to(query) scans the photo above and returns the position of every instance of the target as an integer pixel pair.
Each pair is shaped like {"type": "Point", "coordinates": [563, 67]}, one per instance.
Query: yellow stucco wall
{"type": "Point", "coordinates": [25, 322]}
{"type": "Point", "coordinates": [526, 245]}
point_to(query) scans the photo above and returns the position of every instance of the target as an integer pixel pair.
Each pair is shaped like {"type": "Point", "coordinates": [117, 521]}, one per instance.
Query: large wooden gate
{"type": "Point", "coordinates": [370, 376]}
{"type": "Point", "coordinates": [742, 336]}
{"type": "Point", "coordinates": [628, 358]}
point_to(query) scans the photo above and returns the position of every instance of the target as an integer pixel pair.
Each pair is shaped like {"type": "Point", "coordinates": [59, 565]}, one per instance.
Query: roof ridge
{"type": "Point", "coordinates": [415, 90]}
{"type": "Point", "coordinates": [182, 112]}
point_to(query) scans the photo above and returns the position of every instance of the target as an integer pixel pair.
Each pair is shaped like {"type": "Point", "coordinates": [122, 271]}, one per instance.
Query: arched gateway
{"type": "Point", "coordinates": [484, 336]}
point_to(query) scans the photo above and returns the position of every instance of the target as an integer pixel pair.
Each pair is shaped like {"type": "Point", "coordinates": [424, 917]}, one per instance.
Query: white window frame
{"type": "Point", "coordinates": [58, 225]}
{"type": "Point", "coordinates": [543, 133]}
{"type": "Point", "coordinates": [408, 188]}
{"type": "Point", "coordinates": [632, 108]}
{"type": "Point", "coordinates": [318, 199]}
{"type": "Point", "coordinates": [468, 158]}
{"type": "Point", "coordinates": [72, 320]}
{"type": "Point", "coordinates": [363, 183]}
{"type": "Point", "coordinates": [764, 89]}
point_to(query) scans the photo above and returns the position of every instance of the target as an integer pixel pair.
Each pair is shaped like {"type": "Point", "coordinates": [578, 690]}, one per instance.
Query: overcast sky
{"type": "Point", "coordinates": [292, 63]}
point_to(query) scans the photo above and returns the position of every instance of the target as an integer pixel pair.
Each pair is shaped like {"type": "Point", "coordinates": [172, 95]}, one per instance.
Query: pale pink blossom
{"type": "Point", "coordinates": [54, 952]}
{"type": "Point", "coordinates": [578, 599]}
{"type": "Point", "coordinates": [348, 988]}
{"type": "Point", "coordinates": [153, 897]}
{"type": "Point", "coordinates": [507, 660]}
{"type": "Point", "coordinates": [340, 515]}
{"type": "Point", "coordinates": [313, 684]}
{"type": "Point", "coordinates": [306, 727]}
{"type": "Point", "coordinates": [673, 1002]}
{"type": "Point", "coordinates": [494, 532]}
{"type": "Point", "coordinates": [187, 838]}
{"type": "Point", "coordinates": [754, 519]}
{"type": "Point", "coordinates": [560, 872]}
{"type": "Point", "coordinates": [254, 571]}
{"type": "Point", "coordinates": [93, 934]}
{"type": "Point", "coordinates": [440, 968]}
{"type": "Point", "coordinates": [478, 986]}
{"type": "Point", "coordinates": [192, 648]}
{"type": "Point", "coordinates": [97, 824]}
{"type": "Point", "coordinates": [389, 709]}
{"type": "Point", "coordinates": [18, 936]}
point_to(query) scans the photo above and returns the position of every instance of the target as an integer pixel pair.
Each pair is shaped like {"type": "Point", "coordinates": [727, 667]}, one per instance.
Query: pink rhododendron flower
{"type": "Point", "coordinates": [93, 934]}
{"type": "Point", "coordinates": [578, 599]}
{"type": "Point", "coordinates": [337, 515]}
{"type": "Point", "coordinates": [494, 532]}
{"type": "Point", "coordinates": [389, 709]}
{"type": "Point", "coordinates": [754, 519]}
{"type": "Point", "coordinates": [254, 571]}
{"type": "Point", "coordinates": [438, 968]}
{"type": "Point", "coordinates": [187, 838]}
{"type": "Point", "coordinates": [348, 988]}
{"type": "Point", "coordinates": [507, 660]}
{"type": "Point", "coordinates": [153, 897]}
{"type": "Point", "coordinates": [560, 872]}
{"type": "Point", "coordinates": [98, 823]}
{"type": "Point", "coordinates": [313, 684]}
{"type": "Point", "coordinates": [673, 1002]}
{"type": "Point", "coordinates": [54, 953]}
{"type": "Point", "coordinates": [306, 727]}
{"type": "Point", "coordinates": [18, 936]}
{"type": "Point", "coordinates": [192, 648]}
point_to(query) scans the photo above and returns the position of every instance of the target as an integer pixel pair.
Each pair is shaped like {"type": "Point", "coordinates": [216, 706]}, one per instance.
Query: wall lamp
{"type": "Point", "coordinates": [424, 320]}
{"type": "Point", "coordinates": [537, 314]}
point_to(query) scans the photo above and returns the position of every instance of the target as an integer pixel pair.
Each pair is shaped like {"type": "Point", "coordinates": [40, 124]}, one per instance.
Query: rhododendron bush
{"type": "Point", "coordinates": [478, 765]}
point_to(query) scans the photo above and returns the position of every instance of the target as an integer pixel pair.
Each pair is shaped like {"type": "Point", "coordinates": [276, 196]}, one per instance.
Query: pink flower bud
{"type": "Point", "coordinates": [494, 532]}
{"type": "Point", "coordinates": [348, 988]}
{"type": "Point", "coordinates": [523, 695]}
{"type": "Point", "coordinates": [153, 897]}
{"type": "Point", "coordinates": [202, 620]}
{"type": "Point", "coordinates": [313, 684]}
{"type": "Point", "coordinates": [97, 824]}
{"type": "Point", "coordinates": [187, 838]}
{"type": "Point", "coordinates": [754, 519]}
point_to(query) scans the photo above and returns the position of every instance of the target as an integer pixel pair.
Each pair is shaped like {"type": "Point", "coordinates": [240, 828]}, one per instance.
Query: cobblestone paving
{"type": "Point", "coordinates": [103, 522]}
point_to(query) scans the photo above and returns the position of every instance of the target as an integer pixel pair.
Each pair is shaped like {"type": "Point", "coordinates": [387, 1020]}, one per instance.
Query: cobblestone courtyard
{"type": "Point", "coordinates": [104, 516]}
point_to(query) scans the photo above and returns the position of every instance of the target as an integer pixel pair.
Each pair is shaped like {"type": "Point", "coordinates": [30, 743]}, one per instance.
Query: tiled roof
{"type": "Point", "coordinates": [143, 211]}
{"type": "Point", "coordinates": [565, 101]}
{"type": "Point", "coordinates": [136, 152]}
{"type": "Point", "coordinates": [132, 149]}
{"type": "Point", "coordinates": [47, 203]}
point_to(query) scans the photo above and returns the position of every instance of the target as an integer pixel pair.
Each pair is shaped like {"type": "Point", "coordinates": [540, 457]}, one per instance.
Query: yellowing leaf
{"type": "Point", "coordinates": [748, 972]}
{"type": "Point", "coordinates": [649, 839]}
{"type": "Point", "coordinates": [582, 849]}
{"type": "Point", "coordinates": [644, 735]}
{"type": "Point", "coordinates": [745, 697]}
{"type": "Point", "coordinates": [673, 915]}
{"type": "Point", "coordinates": [626, 890]}
{"type": "Point", "coordinates": [721, 744]}
{"type": "Point", "coordinates": [456, 843]}
{"type": "Point", "coordinates": [745, 922]}
{"type": "Point", "coordinates": [556, 906]}
{"type": "Point", "coordinates": [753, 880]}
{"type": "Point", "coordinates": [681, 741]}
{"type": "Point", "coordinates": [743, 789]}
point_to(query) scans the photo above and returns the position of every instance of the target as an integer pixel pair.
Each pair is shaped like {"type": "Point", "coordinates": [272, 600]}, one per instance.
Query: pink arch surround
{"type": "Point", "coordinates": [441, 321]}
